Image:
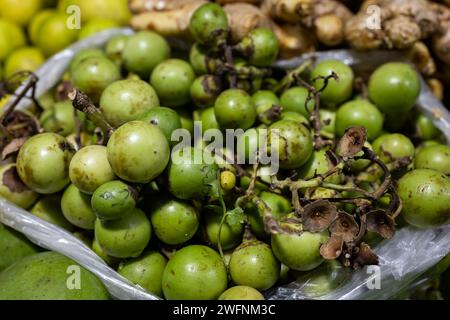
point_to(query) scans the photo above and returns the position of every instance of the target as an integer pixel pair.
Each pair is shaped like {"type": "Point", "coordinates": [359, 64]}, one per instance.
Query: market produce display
{"type": "Point", "coordinates": [210, 174]}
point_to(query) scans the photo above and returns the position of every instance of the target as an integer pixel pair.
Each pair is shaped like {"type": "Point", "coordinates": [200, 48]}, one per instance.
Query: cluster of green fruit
{"type": "Point", "coordinates": [32, 30]}
{"type": "Point", "coordinates": [103, 169]}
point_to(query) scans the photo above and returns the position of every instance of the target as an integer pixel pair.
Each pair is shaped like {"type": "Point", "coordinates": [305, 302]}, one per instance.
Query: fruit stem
{"type": "Point", "coordinates": [82, 102]}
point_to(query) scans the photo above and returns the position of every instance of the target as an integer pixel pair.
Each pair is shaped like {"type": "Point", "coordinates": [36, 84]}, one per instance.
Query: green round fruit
{"type": "Point", "coordinates": [20, 12]}
{"type": "Point", "coordinates": [49, 209]}
{"type": "Point", "coordinates": [393, 147]}
{"type": "Point", "coordinates": [359, 113]}
{"type": "Point", "coordinates": [234, 109]}
{"type": "Point", "coordinates": [116, 10]}
{"type": "Point", "coordinates": [114, 48]}
{"type": "Point", "coordinates": [53, 35]}
{"type": "Point", "coordinates": [172, 80]}
{"type": "Point", "coordinates": [25, 58]}
{"type": "Point", "coordinates": [89, 168]}
{"type": "Point", "coordinates": [204, 90]}
{"type": "Point", "coordinates": [248, 144]}
{"type": "Point", "coordinates": [425, 195]}
{"type": "Point", "coordinates": [110, 261]}
{"type": "Point", "coordinates": [84, 54]}
{"type": "Point", "coordinates": [209, 24]}
{"type": "Point", "coordinates": [198, 59]}
{"type": "Point", "coordinates": [194, 273]}
{"type": "Point", "coordinates": [76, 208]}
{"type": "Point", "coordinates": [424, 127]}
{"type": "Point", "coordinates": [126, 237]}
{"type": "Point", "coordinates": [126, 100]}
{"type": "Point", "coordinates": [59, 119]}
{"type": "Point", "coordinates": [435, 158]}
{"type": "Point", "coordinates": [145, 271]}
{"type": "Point", "coordinates": [96, 25]}
{"type": "Point", "coordinates": [13, 189]}
{"type": "Point", "coordinates": [165, 118]}
{"type": "Point", "coordinates": [328, 119]}
{"type": "Point", "coordinates": [337, 91]}
{"type": "Point", "coordinates": [138, 152]}
{"type": "Point", "coordinates": [208, 119]}
{"type": "Point", "coordinates": [190, 166]}
{"type": "Point", "coordinates": [318, 164]}
{"type": "Point", "coordinates": [294, 116]}
{"type": "Point", "coordinates": [43, 163]}
{"type": "Point", "coordinates": [253, 264]}
{"type": "Point", "coordinates": [93, 75]}
{"type": "Point", "coordinates": [11, 37]}
{"type": "Point", "coordinates": [291, 141]}
{"type": "Point", "coordinates": [299, 252]}
{"type": "Point", "coordinates": [144, 51]}
{"type": "Point", "coordinates": [50, 276]}
{"type": "Point", "coordinates": [230, 236]}
{"type": "Point", "coordinates": [394, 87]}
{"type": "Point", "coordinates": [241, 293]}
{"type": "Point", "coordinates": [113, 200]}
{"type": "Point", "coordinates": [294, 99]}
{"type": "Point", "coordinates": [260, 46]}
{"type": "Point", "coordinates": [36, 22]}
{"type": "Point", "coordinates": [174, 221]}
{"type": "Point", "coordinates": [279, 207]}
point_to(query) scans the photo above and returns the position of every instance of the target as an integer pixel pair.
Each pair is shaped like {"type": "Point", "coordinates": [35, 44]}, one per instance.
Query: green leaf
{"type": "Point", "coordinates": [235, 219]}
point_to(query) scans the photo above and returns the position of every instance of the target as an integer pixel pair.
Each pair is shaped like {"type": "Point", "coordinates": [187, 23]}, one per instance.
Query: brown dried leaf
{"type": "Point", "coordinates": [352, 142]}
{"type": "Point", "coordinates": [21, 124]}
{"type": "Point", "coordinates": [332, 248]}
{"type": "Point", "coordinates": [318, 216]}
{"type": "Point", "coordinates": [345, 226]}
{"type": "Point", "coordinates": [380, 222]}
{"type": "Point", "coordinates": [12, 181]}
{"type": "Point", "coordinates": [13, 146]}
{"type": "Point", "coordinates": [364, 256]}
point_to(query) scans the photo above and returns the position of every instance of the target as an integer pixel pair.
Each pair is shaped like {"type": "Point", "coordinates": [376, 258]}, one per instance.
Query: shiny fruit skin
{"type": "Point", "coordinates": [337, 91]}
{"type": "Point", "coordinates": [174, 222]}
{"type": "Point", "coordinates": [165, 118]}
{"type": "Point", "coordinates": [199, 174]}
{"type": "Point", "coordinates": [116, 10]}
{"type": "Point", "coordinates": [93, 75]}
{"type": "Point", "coordinates": [138, 152]}
{"type": "Point", "coordinates": [260, 46]}
{"type": "Point", "coordinates": [13, 189]}
{"type": "Point", "coordinates": [435, 158]}
{"type": "Point", "coordinates": [126, 100]}
{"type": "Point", "coordinates": [328, 119]}
{"type": "Point", "coordinates": [234, 109]}
{"type": "Point", "coordinates": [76, 208]}
{"type": "Point", "coordinates": [49, 209]}
{"type": "Point", "coordinates": [292, 141]}
{"type": "Point", "coordinates": [241, 293]}
{"type": "Point", "coordinates": [425, 194]}
{"type": "Point", "coordinates": [110, 261]}
{"type": "Point", "coordinates": [208, 119]}
{"type": "Point", "coordinates": [394, 87]}
{"type": "Point", "coordinates": [59, 119]}
{"type": "Point", "coordinates": [424, 127]}
{"type": "Point", "coordinates": [26, 58]}
{"type": "Point", "coordinates": [204, 90]}
{"type": "Point", "coordinates": [84, 54]}
{"type": "Point", "coordinates": [299, 252]}
{"type": "Point", "coordinates": [89, 168]}
{"type": "Point", "coordinates": [172, 80]}
{"type": "Point", "coordinates": [53, 35]}
{"type": "Point", "coordinates": [113, 200]}
{"type": "Point", "coordinates": [145, 271]}
{"type": "Point", "coordinates": [359, 112]}
{"type": "Point", "coordinates": [209, 24]}
{"type": "Point", "coordinates": [126, 237]}
{"type": "Point", "coordinates": [43, 163]}
{"type": "Point", "coordinates": [144, 51]}
{"type": "Point", "coordinates": [294, 99]}
{"type": "Point", "coordinates": [253, 264]}
{"type": "Point", "coordinates": [114, 48]}
{"type": "Point", "coordinates": [194, 273]}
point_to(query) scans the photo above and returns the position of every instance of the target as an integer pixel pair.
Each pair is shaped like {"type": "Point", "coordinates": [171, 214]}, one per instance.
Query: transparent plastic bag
{"type": "Point", "coordinates": [403, 259]}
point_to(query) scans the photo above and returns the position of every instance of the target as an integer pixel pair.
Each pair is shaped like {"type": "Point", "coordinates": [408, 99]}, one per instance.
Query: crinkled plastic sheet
{"type": "Point", "coordinates": [403, 259]}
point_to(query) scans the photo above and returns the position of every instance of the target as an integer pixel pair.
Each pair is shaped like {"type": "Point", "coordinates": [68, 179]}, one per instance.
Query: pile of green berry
{"type": "Point", "coordinates": [105, 164]}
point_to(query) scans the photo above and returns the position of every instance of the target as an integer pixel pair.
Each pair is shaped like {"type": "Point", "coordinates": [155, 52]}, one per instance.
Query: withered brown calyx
{"type": "Point", "coordinates": [352, 142]}
{"type": "Point", "coordinates": [319, 215]}
{"type": "Point", "coordinates": [380, 222]}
